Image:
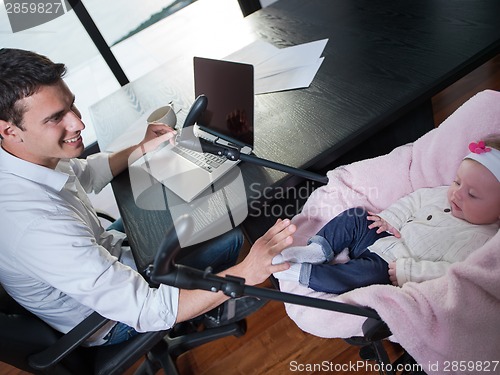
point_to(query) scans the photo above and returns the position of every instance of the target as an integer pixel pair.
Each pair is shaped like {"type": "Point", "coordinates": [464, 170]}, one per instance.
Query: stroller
{"type": "Point", "coordinates": [440, 323]}
{"type": "Point", "coordinates": [428, 319]}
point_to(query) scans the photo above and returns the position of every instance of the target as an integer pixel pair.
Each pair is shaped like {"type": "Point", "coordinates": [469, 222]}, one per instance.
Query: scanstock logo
{"type": "Point", "coordinates": [24, 15]}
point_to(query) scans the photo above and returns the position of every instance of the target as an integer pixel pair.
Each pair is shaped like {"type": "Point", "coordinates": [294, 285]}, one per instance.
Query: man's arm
{"type": "Point", "coordinates": [155, 135]}
{"type": "Point", "coordinates": [255, 269]}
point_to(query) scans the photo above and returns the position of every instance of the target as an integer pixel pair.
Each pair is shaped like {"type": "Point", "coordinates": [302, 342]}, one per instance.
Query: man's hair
{"type": "Point", "coordinates": [22, 74]}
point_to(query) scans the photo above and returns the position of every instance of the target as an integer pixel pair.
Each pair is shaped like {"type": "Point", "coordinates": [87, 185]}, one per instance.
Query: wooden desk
{"type": "Point", "coordinates": [383, 63]}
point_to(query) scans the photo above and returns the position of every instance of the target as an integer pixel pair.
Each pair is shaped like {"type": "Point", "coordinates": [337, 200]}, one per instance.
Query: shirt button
{"type": "Point", "coordinates": [429, 217]}
{"type": "Point", "coordinates": [447, 210]}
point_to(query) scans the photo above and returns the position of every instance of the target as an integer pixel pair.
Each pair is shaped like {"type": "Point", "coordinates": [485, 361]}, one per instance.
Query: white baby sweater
{"type": "Point", "coordinates": [431, 237]}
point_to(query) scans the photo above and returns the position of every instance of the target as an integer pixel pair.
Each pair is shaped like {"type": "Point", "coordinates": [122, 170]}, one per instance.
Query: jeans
{"type": "Point", "coordinates": [117, 225]}
{"type": "Point", "coordinates": [119, 333]}
{"type": "Point", "coordinates": [219, 253]}
{"type": "Point", "coordinates": [348, 230]}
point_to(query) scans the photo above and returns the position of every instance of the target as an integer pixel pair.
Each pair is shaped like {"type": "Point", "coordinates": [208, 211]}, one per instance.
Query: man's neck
{"type": "Point", "coordinates": [48, 163]}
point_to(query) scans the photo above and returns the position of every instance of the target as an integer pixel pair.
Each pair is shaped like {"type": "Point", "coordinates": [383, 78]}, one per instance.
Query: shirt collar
{"type": "Point", "coordinates": [54, 179]}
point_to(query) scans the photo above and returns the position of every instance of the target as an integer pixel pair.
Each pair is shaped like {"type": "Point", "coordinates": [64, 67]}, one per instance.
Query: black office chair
{"type": "Point", "coordinates": [29, 344]}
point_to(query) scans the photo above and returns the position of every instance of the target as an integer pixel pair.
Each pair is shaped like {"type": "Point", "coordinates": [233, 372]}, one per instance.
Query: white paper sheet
{"type": "Point", "coordinates": [281, 69]}
{"type": "Point", "coordinates": [288, 80]}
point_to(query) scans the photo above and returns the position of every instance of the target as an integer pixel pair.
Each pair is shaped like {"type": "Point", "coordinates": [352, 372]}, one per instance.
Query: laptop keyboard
{"type": "Point", "coordinates": [208, 162]}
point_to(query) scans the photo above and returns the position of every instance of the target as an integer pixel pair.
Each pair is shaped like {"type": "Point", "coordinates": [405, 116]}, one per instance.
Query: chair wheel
{"type": "Point", "coordinates": [367, 353]}
{"type": "Point", "coordinates": [242, 328]}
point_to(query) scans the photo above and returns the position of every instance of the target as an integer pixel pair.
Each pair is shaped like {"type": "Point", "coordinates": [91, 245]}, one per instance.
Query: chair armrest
{"type": "Point", "coordinates": [67, 343]}
{"type": "Point", "coordinates": [105, 216]}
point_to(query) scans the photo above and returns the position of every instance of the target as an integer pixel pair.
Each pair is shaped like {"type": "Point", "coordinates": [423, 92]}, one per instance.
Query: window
{"type": "Point", "coordinates": [64, 39]}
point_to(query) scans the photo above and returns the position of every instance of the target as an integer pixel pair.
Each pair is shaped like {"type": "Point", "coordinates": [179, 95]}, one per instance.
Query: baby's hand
{"type": "Point", "coordinates": [392, 273]}
{"type": "Point", "coordinates": [382, 225]}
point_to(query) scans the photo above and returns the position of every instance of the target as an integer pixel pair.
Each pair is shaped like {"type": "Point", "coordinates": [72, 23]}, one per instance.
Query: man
{"type": "Point", "coordinates": [55, 258]}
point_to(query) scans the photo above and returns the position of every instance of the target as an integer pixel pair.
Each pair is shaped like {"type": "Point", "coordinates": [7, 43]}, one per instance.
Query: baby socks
{"type": "Point", "coordinates": [300, 259]}
{"type": "Point", "coordinates": [313, 253]}
{"type": "Point", "coordinates": [291, 274]}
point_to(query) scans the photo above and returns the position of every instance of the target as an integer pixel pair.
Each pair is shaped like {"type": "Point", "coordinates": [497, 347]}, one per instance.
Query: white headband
{"type": "Point", "coordinates": [489, 157]}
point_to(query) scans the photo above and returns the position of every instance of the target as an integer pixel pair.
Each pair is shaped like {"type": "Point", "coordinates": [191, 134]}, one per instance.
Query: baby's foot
{"type": "Point", "coordinates": [313, 253]}
{"type": "Point", "coordinates": [291, 274]}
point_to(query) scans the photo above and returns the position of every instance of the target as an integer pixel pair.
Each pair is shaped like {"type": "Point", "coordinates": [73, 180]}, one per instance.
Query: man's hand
{"type": "Point", "coordinates": [257, 266]}
{"type": "Point", "coordinates": [156, 134]}
{"type": "Point", "coordinates": [382, 225]}
{"type": "Point", "coordinates": [255, 269]}
{"type": "Point", "coordinates": [392, 273]}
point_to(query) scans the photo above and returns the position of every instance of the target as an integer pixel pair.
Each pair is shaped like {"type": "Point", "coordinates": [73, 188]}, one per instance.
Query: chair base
{"type": "Point", "coordinates": [164, 353]}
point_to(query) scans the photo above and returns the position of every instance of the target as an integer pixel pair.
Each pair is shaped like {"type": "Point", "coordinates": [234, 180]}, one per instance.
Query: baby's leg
{"type": "Point", "coordinates": [347, 230]}
{"type": "Point", "coordinates": [367, 269]}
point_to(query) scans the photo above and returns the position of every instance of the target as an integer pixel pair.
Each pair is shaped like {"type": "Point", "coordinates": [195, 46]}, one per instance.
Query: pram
{"type": "Point", "coordinates": [445, 324]}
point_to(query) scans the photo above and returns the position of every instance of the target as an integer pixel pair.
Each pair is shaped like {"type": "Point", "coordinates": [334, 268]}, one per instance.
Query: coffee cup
{"type": "Point", "coordinates": [165, 115]}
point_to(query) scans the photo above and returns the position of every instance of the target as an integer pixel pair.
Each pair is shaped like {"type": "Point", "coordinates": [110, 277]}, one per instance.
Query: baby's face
{"type": "Point", "coordinates": [474, 196]}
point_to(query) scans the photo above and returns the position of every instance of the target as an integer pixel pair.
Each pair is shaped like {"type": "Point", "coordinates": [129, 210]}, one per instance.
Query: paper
{"type": "Point", "coordinates": [289, 80]}
{"type": "Point", "coordinates": [278, 69]}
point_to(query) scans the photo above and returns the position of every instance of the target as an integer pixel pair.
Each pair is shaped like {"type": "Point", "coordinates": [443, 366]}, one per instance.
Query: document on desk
{"type": "Point", "coordinates": [279, 69]}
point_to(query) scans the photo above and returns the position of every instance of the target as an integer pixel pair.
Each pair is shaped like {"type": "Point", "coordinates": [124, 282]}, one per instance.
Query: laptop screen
{"type": "Point", "coordinates": [228, 87]}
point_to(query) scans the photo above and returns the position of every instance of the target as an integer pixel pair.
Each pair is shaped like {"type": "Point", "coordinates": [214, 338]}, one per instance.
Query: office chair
{"type": "Point", "coordinates": [28, 343]}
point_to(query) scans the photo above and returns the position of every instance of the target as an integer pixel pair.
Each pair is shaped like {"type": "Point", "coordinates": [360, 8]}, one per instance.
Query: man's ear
{"type": "Point", "coordinates": [9, 131]}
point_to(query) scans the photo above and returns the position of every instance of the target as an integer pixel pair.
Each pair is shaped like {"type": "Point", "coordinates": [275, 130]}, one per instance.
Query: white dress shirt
{"type": "Point", "coordinates": [58, 262]}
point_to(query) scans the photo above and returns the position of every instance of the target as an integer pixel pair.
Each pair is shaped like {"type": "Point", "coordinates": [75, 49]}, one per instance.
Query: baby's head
{"type": "Point", "coordinates": [474, 196]}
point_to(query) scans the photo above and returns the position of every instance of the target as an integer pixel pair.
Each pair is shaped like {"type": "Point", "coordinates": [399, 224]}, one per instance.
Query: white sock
{"type": "Point", "coordinates": [278, 259]}
{"type": "Point", "coordinates": [312, 253]}
{"type": "Point", "coordinates": [291, 274]}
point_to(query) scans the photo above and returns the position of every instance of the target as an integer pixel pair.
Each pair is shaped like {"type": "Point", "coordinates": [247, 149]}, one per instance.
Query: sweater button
{"type": "Point", "coordinates": [429, 217]}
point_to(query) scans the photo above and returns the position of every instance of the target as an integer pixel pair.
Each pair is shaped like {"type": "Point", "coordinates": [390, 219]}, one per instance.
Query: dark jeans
{"type": "Point", "coordinates": [349, 230]}
{"type": "Point", "coordinates": [219, 253]}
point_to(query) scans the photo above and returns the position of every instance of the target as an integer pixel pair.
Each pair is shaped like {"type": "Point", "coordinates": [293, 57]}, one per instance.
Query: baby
{"type": "Point", "coordinates": [415, 239]}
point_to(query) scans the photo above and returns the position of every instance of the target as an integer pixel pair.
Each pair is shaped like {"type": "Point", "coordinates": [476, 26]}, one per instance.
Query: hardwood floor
{"type": "Point", "coordinates": [273, 341]}
{"type": "Point", "coordinates": [487, 76]}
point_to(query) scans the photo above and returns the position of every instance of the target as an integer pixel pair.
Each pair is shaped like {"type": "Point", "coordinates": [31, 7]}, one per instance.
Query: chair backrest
{"type": "Point", "coordinates": [21, 333]}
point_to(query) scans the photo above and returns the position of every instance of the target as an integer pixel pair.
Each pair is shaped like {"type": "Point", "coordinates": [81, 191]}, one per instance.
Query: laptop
{"type": "Point", "coordinates": [227, 120]}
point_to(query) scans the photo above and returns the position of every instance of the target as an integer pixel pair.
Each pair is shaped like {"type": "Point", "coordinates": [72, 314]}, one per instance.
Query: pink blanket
{"type": "Point", "coordinates": [453, 318]}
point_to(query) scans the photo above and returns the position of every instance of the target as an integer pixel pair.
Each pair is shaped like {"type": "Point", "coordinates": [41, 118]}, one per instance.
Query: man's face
{"type": "Point", "coordinates": [52, 127]}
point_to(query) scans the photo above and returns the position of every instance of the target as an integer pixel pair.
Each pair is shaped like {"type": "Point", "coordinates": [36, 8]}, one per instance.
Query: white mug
{"type": "Point", "coordinates": [165, 115]}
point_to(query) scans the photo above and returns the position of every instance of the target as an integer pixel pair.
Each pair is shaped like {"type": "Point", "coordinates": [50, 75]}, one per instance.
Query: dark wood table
{"type": "Point", "coordinates": [383, 63]}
